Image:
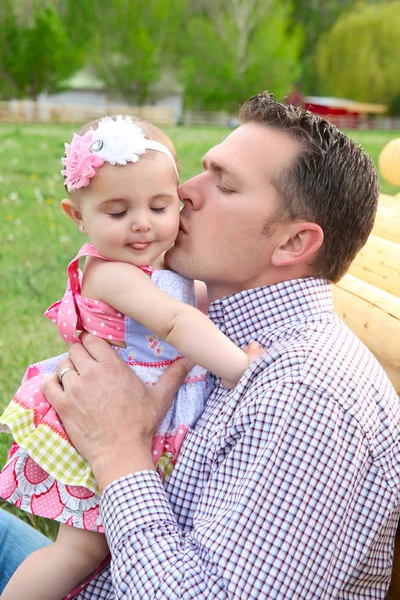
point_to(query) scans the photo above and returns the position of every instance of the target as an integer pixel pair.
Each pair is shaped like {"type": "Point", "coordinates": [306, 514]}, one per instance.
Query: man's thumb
{"type": "Point", "coordinates": [173, 377]}
{"type": "Point", "coordinates": [53, 391]}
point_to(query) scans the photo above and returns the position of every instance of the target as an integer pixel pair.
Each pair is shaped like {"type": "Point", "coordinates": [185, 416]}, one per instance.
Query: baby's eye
{"type": "Point", "coordinates": [118, 215]}
{"type": "Point", "coordinates": [159, 209]}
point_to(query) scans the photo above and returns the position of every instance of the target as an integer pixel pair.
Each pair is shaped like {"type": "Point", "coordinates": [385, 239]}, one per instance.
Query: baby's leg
{"type": "Point", "coordinates": [52, 572]}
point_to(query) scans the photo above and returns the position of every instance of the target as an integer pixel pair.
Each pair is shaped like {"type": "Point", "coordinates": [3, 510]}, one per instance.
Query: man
{"type": "Point", "coordinates": [288, 486]}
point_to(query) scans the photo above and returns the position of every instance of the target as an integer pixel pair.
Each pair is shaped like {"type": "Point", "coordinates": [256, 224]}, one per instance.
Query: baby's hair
{"type": "Point", "coordinates": [151, 132]}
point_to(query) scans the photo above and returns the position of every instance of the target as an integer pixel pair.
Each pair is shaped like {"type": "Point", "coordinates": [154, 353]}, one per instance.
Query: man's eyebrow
{"type": "Point", "coordinates": [217, 168]}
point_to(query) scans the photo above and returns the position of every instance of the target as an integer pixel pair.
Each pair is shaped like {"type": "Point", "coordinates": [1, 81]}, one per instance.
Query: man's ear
{"type": "Point", "coordinates": [71, 209]}
{"type": "Point", "coordinates": [299, 245]}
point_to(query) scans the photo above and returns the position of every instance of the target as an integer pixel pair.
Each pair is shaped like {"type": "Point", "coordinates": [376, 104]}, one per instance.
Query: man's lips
{"type": "Point", "coordinates": [182, 227]}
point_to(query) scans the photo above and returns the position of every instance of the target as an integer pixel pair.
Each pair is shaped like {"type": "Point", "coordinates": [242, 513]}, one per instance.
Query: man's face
{"type": "Point", "coordinates": [224, 238]}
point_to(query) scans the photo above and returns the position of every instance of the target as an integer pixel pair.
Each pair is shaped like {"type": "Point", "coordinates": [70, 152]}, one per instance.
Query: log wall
{"type": "Point", "coordinates": [368, 300]}
{"type": "Point", "coordinates": [368, 297]}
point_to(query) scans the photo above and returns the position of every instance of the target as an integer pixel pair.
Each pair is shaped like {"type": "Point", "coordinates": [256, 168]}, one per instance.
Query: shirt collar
{"type": "Point", "coordinates": [243, 316]}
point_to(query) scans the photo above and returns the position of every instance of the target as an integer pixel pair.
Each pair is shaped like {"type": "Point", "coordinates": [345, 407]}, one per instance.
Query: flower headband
{"type": "Point", "coordinates": [115, 141]}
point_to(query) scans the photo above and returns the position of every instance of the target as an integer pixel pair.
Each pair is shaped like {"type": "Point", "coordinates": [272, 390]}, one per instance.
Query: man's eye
{"type": "Point", "coordinates": [225, 190]}
{"type": "Point", "coordinates": [160, 209]}
{"type": "Point", "coordinates": [118, 215]}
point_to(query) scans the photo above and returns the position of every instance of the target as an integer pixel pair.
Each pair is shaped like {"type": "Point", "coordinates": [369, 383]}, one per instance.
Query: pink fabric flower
{"type": "Point", "coordinates": [79, 162]}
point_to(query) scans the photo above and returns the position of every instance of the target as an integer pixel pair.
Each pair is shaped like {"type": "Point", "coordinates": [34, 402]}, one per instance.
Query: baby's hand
{"type": "Point", "coordinates": [253, 351]}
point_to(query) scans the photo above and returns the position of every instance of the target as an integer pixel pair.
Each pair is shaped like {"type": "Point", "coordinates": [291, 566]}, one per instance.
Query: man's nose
{"type": "Point", "coordinates": [190, 192]}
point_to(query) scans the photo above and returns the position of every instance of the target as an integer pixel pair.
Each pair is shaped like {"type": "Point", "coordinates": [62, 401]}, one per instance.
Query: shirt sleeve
{"type": "Point", "coordinates": [151, 557]}
{"type": "Point", "coordinates": [274, 519]}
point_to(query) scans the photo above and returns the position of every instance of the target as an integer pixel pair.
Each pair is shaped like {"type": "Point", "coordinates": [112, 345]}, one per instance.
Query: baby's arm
{"type": "Point", "coordinates": [201, 296]}
{"type": "Point", "coordinates": [129, 290]}
{"type": "Point", "coordinates": [52, 572]}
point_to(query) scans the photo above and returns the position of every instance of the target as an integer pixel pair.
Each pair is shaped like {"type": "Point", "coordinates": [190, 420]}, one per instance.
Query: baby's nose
{"type": "Point", "coordinates": [141, 223]}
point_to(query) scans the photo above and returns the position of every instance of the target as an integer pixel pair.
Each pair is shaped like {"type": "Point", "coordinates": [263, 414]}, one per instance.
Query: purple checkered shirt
{"type": "Point", "coordinates": [287, 487]}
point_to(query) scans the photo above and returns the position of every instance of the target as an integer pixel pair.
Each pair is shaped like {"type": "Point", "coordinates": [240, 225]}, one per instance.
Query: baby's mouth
{"type": "Point", "coordinates": [140, 245]}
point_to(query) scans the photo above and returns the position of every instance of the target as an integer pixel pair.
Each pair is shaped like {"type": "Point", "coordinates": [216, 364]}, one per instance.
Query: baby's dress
{"type": "Point", "coordinates": [44, 474]}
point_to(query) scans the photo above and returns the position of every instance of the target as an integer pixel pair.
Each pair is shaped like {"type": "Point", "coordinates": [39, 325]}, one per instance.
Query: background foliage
{"type": "Point", "coordinates": [360, 56]}
{"type": "Point", "coordinates": [237, 49]}
{"type": "Point", "coordinates": [131, 60]}
{"type": "Point", "coordinates": [218, 51]}
{"type": "Point", "coordinates": [37, 52]}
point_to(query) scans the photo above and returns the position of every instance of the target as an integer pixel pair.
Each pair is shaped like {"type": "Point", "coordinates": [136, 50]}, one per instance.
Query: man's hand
{"type": "Point", "coordinates": [109, 414]}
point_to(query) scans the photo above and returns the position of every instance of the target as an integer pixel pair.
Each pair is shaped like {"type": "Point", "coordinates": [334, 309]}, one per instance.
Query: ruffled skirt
{"type": "Point", "coordinates": [46, 476]}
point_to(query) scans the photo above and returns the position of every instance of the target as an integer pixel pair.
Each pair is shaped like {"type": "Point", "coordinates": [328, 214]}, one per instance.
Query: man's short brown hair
{"type": "Point", "coordinates": [332, 181]}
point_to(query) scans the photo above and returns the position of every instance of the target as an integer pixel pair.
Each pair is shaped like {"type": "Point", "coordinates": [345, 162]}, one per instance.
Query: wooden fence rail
{"type": "Point", "coordinates": [365, 122]}
{"type": "Point", "coordinates": [224, 119]}
{"type": "Point", "coordinates": [25, 111]}
{"type": "Point", "coordinates": [28, 111]}
{"type": "Point", "coordinates": [215, 118]}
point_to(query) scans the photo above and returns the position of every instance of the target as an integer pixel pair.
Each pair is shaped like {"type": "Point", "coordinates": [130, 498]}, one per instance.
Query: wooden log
{"type": "Point", "coordinates": [378, 263]}
{"type": "Point", "coordinates": [392, 373]}
{"type": "Point", "coordinates": [392, 202]}
{"type": "Point", "coordinates": [387, 222]}
{"type": "Point", "coordinates": [374, 316]}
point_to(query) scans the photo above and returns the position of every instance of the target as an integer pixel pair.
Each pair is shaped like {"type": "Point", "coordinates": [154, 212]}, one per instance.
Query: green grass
{"type": "Point", "coordinates": [373, 142]}
{"type": "Point", "coordinates": [37, 240]}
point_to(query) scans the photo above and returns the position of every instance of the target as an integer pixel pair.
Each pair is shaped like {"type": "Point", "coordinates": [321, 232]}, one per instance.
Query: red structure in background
{"type": "Point", "coordinates": [342, 111]}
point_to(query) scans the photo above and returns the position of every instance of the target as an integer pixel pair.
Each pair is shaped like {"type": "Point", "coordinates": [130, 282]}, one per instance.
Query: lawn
{"type": "Point", "coordinates": [37, 240]}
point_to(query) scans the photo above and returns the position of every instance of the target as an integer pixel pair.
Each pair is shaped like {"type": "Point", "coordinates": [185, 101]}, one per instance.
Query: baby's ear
{"type": "Point", "coordinates": [71, 209]}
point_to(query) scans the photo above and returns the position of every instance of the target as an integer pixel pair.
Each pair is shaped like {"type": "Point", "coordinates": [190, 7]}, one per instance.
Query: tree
{"type": "Point", "coordinates": [359, 58]}
{"type": "Point", "coordinates": [317, 17]}
{"type": "Point", "coordinates": [36, 53]}
{"type": "Point", "coordinates": [133, 40]}
{"type": "Point", "coordinates": [237, 48]}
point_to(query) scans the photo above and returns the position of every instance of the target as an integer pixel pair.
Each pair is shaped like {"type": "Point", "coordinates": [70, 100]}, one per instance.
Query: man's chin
{"type": "Point", "coordinates": [168, 258]}
{"type": "Point", "coordinates": [171, 259]}
{"type": "Point", "coordinates": [177, 260]}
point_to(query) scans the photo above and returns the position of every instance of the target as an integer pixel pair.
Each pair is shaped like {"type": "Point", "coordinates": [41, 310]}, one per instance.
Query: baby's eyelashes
{"type": "Point", "coordinates": [119, 215]}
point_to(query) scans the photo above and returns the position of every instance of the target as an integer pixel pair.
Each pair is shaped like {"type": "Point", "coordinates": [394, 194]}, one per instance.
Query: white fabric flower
{"type": "Point", "coordinates": [120, 140]}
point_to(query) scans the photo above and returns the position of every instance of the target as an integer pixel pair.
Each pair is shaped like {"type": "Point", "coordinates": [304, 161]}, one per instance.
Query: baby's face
{"type": "Point", "coordinates": [131, 212]}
